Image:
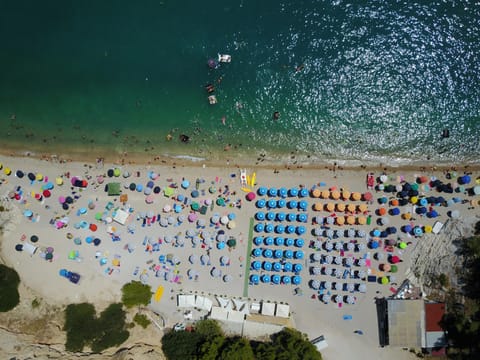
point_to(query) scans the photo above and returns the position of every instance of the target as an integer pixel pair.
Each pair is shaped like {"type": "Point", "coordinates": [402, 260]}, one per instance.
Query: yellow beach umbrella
{"type": "Point", "coordinates": [427, 229]}
{"type": "Point", "coordinates": [39, 177]}
{"type": "Point", "coordinates": [7, 171]}
{"type": "Point", "coordinates": [340, 207]}
{"type": "Point", "coordinates": [414, 199]}
{"type": "Point", "coordinates": [362, 207]}
{"type": "Point", "coordinates": [356, 196]}
{"type": "Point", "coordinates": [407, 216]}
{"type": "Point", "coordinates": [350, 220]}
{"type": "Point", "coordinates": [335, 194]}
{"type": "Point", "coordinates": [330, 207]}
{"type": "Point", "coordinates": [362, 220]}
{"type": "Point", "coordinates": [385, 280]}
{"type": "Point", "coordinates": [345, 194]}
{"type": "Point", "coordinates": [325, 194]}
{"type": "Point", "coordinates": [351, 207]}
{"type": "Point", "coordinates": [32, 194]}
{"type": "Point", "coordinates": [316, 193]}
{"type": "Point", "coordinates": [59, 181]}
{"type": "Point", "coordinates": [318, 207]}
{"type": "Point", "coordinates": [340, 220]}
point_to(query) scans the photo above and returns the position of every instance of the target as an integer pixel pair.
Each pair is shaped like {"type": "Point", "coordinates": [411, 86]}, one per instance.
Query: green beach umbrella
{"type": "Point", "coordinates": [231, 242]}
{"type": "Point", "coordinates": [48, 256]}
{"type": "Point", "coordinates": [98, 216]}
{"type": "Point", "coordinates": [385, 280]}
{"type": "Point", "coordinates": [402, 245]}
{"type": "Point", "coordinates": [220, 202]}
{"type": "Point", "coordinates": [71, 255]}
{"type": "Point", "coordinates": [415, 186]}
{"type": "Point", "coordinates": [393, 268]}
{"type": "Point", "coordinates": [195, 206]}
{"type": "Point", "coordinates": [116, 172]}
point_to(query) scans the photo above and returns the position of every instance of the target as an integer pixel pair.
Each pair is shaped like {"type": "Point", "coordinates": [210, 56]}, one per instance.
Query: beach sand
{"type": "Point", "coordinates": [123, 250]}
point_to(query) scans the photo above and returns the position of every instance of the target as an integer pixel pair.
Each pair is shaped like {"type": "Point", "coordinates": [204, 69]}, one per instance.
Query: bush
{"type": "Point", "coordinates": [35, 303]}
{"type": "Point", "coordinates": [83, 328]}
{"type": "Point", "coordinates": [141, 320]}
{"type": "Point", "coordinates": [181, 345]}
{"type": "Point", "coordinates": [135, 293]}
{"type": "Point", "coordinates": [9, 281]}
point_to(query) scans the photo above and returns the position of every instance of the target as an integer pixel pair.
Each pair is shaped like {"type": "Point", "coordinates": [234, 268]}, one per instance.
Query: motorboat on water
{"type": "Point", "coordinates": [224, 58]}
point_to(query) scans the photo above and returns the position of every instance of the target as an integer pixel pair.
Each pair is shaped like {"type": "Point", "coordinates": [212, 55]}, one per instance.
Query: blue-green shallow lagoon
{"type": "Point", "coordinates": [378, 80]}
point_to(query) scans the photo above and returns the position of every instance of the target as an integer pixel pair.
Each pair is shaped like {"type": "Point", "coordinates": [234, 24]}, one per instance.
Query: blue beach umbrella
{"type": "Point", "coordinates": [301, 230]}
{"type": "Point", "coordinates": [277, 266]}
{"type": "Point", "coordinates": [270, 216]}
{"type": "Point", "coordinates": [291, 217]}
{"type": "Point", "coordinates": [376, 233]}
{"type": "Point", "coordinates": [296, 280]}
{"type": "Point", "coordinates": [254, 279]}
{"type": "Point", "coordinates": [383, 234]}
{"type": "Point", "coordinates": [298, 254]}
{"type": "Point", "coordinates": [267, 265]}
{"type": "Point", "coordinates": [302, 218]}
{"type": "Point", "coordinates": [374, 244]}
{"type": "Point", "coordinates": [262, 191]}
{"type": "Point", "coordinates": [421, 210]}
{"type": "Point", "coordinates": [278, 254]}
{"type": "Point", "coordinates": [256, 265]}
{"type": "Point", "coordinates": [185, 184]}
{"type": "Point", "coordinates": [280, 229]}
{"type": "Point", "coordinates": [260, 216]}
{"type": "Point", "coordinates": [287, 267]}
{"type": "Point", "coordinates": [282, 192]}
{"type": "Point", "coordinates": [257, 252]}
{"type": "Point", "coordinates": [139, 187]}
{"type": "Point", "coordinates": [383, 200]}
{"type": "Point", "coordinates": [272, 204]}
{"type": "Point", "coordinates": [258, 240]}
{"type": "Point", "coordinates": [297, 268]}
{"type": "Point", "coordinates": [265, 278]}
{"type": "Point", "coordinates": [281, 203]}
{"type": "Point", "coordinates": [268, 253]}
{"type": "Point", "coordinates": [269, 241]}
{"type": "Point", "coordinates": [290, 229]}
{"type": "Point", "coordinates": [221, 245]}
{"type": "Point", "coordinates": [395, 211]}
{"type": "Point", "coordinates": [269, 228]}
{"type": "Point", "coordinates": [407, 228]}
{"type": "Point", "coordinates": [279, 241]}
{"type": "Point", "coordinates": [276, 279]}
{"type": "Point", "coordinates": [293, 192]}
{"type": "Point", "coordinates": [259, 227]}
{"type": "Point", "coordinates": [292, 204]}
{"type": "Point", "coordinates": [289, 242]}
{"type": "Point", "coordinates": [302, 205]}
{"type": "Point", "coordinates": [423, 202]}
{"type": "Point", "coordinates": [303, 192]}
{"type": "Point", "coordinates": [432, 214]}
{"type": "Point", "coordinates": [288, 254]}
{"type": "Point", "coordinates": [286, 279]}
{"type": "Point", "coordinates": [418, 231]}
{"type": "Point", "coordinates": [261, 203]}
{"type": "Point", "coordinates": [281, 216]}
{"type": "Point", "coordinates": [299, 242]}
{"type": "Point", "coordinates": [272, 192]}
{"type": "Point", "coordinates": [391, 230]}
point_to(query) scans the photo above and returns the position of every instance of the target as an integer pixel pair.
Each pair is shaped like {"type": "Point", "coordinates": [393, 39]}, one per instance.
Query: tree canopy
{"type": "Point", "coordinates": [9, 281]}
{"type": "Point", "coordinates": [135, 293]}
{"type": "Point", "coordinates": [207, 342]}
{"type": "Point", "coordinates": [85, 329]}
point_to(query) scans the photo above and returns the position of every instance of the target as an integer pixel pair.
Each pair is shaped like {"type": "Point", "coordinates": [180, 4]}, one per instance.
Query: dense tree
{"type": "Point", "coordinates": [135, 293]}
{"type": "Point", "coordinates": [208, 329]}
{"type": "Point", "coordinates": [291, 344]}
{"type": "Point", "coordinates": [9, 281]}
{"type": "Point", "coordinates": [80, 326]}
{"type": "Point", "coordinates": [110, 328]}
{"type": "Point", "coordinates": [237, 349]}
{"type": "Point", "coordinates": [181, 345]}
{"type": "Point", "coordinates": [84, 329]}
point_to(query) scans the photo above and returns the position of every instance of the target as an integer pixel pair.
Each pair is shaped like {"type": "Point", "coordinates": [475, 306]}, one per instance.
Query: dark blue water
{"type": "Point", "coordinates": [352, 80]}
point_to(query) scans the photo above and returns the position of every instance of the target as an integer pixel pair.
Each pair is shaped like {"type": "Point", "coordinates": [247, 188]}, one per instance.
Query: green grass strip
{"type": "Point", "coordinates": [247, 258]}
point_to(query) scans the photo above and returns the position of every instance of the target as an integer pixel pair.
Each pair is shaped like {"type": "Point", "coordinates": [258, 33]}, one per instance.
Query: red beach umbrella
{"type": "Point", "coordinates": [46, 193]}
{"type": "Point", "coordinates": [367, 196]}
{"type": "Point", "coordinates": [395, 259]}
{"type": "Point", "coordinates": [251, 196]}
{"type": "Point", "coordinates": [93, 227]}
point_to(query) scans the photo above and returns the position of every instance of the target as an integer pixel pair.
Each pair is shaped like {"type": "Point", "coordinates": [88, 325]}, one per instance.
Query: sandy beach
{"type": "Point", "coordinates": [178, 221]}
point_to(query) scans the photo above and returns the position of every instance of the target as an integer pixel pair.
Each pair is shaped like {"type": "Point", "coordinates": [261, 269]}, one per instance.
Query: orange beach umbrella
{"type": "Point", "coordinates": [340, 207]}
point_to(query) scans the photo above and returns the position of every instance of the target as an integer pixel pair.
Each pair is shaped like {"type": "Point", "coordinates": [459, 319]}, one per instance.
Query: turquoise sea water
{"type": "Point", "coordinates": [378, 80]}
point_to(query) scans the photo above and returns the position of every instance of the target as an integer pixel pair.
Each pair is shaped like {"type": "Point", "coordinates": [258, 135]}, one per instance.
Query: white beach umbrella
{"type": "Point", "coordinates": [362, 262]}
{"type": "Point", "coordinates": [215, 272]}
{"type": "Point", "coordinates": [195, 241]}
{"type": "Point", "coordinates": [338, 260]}
{"type": "Point", "coordinates": [328, 259]}
{"type": "Point", "coordinates": [362, 288]}
{"type": "Point", "coordinates": [316, 256]}
{"type": "Point", "coordinates": [328, 246]}
{"type": "Point", "coordinates": [315, 284]}
{"type": "Point", "coordinates": [171, 220]}
{"type": "Point", "coordinates": [350, 246]}
{"type": "Point", "coordinates": [350, 299]}
{"type": "Point", "coordinates": [328, 271]}
{"type": "Point", "coordinates": [316, 271]}
{"type": "Point", "coordinates": [181, 218]}
{"type": "Point", "coordinates": [338, 246]}
{"type": "Point", "coordinates": [349, 261]}
{"type": "Point", "coordinates": [168, 239]}
{"type": "Point", "coordinates": [327, 285]}
{"type": "Point", "coordinates": [361, 233]}
{"type": "Point", "coordinates": [318, 231]}
{"type": "Point", "coordinates": [362, 274]}
{"type": "Point", "coordinates": [361, 247]}
{"type": "Point", "coordinates": [338, 299]}
{"type": "Point", "coordinates": [227, 278]}
{"type": "Point", "coordinates": [224, 260]}
{"type": "Point", "coordinates": [224, 220]}
{"type": "Point", "coordinates": [326, 298]}
{"type": "Point", "coordinates": [351, 233]}
{"type": "Point", "coordinates": [350, 287]}
{"type": "Point", "coordinates": [205, 259]}
{"type": "Point", "coordinates": [190, 233]}
{"type": "Point", "coordinates": [163, 222]}
{"type": "Point", "coordinates": [193, 258]}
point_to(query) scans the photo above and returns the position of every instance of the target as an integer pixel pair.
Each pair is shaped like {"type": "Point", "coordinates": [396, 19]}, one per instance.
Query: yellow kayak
{"type": "Point", "coordinates": [253, 179]}
{"type": "Point", "coordinates": [158, 294]}
{"type": "Point", "coordinates": [247, 190]}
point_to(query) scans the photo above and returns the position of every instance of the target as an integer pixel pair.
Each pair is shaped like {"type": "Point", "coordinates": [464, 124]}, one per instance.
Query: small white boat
{"type": "Point", "coordinates": [224, 58]}
{"type": "Point", "coordinates": [212, 99]}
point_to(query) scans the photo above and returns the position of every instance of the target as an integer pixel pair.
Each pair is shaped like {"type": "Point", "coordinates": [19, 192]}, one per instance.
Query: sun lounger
{"type": "Point", "coordinates": [243, 177]}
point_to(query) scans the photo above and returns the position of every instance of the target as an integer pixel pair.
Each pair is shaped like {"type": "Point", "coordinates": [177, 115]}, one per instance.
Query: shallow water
{"type": "Point", "coordinates": [377, 80]}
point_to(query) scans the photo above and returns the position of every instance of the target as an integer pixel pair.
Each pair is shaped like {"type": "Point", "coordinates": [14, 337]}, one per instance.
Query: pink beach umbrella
{"type": "Point", "coordinates": [250, 196]}
{"type": "Point", "coordinates": [192, 217]}
{"type": "Point", "coordinates": [61, 199]}
{"type": "Point", "coordinates": [149, 199]}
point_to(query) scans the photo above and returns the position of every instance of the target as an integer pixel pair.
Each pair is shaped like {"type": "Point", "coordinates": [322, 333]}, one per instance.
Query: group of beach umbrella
{"type": "Point", "coordinates": [275, 279]}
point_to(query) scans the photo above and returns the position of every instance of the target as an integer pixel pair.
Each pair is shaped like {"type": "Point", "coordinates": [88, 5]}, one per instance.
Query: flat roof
{"type": "Point", "coordinates": [406, 323]}
{"type": "Point", "coordinates": [433, 315]}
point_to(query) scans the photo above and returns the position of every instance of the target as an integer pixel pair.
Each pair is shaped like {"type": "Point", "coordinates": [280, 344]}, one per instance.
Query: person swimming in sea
{"type": "Point", "coordinates": [184, 138]}
{"type": "Point", "coordinates": [445, 133]}
{"type": "Point", "coordinates": [210, 88]}
{"type": "Point", "coordinates": [276, 115]}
